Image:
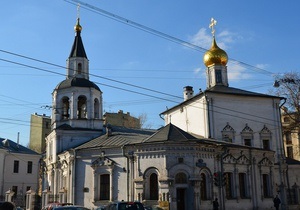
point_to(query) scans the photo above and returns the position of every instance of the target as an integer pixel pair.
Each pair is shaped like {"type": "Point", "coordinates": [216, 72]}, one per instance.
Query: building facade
{"type": "Point", "coordinates": [291, 135]}
{"type": "Point", "coordinates": [121, 119]}
{"type": "Point", "coordinates": [18, 170]}
{"type": "Point", "coordinates": [40, 127]}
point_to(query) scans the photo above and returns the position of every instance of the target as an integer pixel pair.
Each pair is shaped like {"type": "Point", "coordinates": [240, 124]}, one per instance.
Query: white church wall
{"type": "Point", "coordinates": [241, 111]}
{"type": "Point", "coordinates": [191, 117]}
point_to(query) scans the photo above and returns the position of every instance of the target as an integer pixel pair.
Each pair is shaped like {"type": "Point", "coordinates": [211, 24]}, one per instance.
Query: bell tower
{"type": "Point", "coordinates": [77, 102]}
{"type": "Point", "coordinates": [77, 115]}
{"type": "Point", "coordinates": [215, 59]}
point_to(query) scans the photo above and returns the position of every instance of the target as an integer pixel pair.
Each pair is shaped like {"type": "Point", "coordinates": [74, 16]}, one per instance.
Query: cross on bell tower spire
{"type": "Point", "coordinates": [212, 25]}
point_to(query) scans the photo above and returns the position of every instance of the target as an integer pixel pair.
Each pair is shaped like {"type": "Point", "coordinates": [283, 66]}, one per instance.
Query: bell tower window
{"type": "Point", "coordinates": [79, 68]}
{"type": "Point", "coordinates": [218, 77]}
{"type": "Point", "coordinates": [81, 108]}
{"type": "Point", "coordinates": [66, 108]}
{"type": "Point", "coordinates": [96, 108]}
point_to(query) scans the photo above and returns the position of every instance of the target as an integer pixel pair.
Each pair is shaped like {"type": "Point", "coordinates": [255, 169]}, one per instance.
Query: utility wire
{"type": "Point", "coordinates": [147, 29]}
{"type": "Point", "coordinates": [220, 112]}
{"type": "Point", "coordinates": [111, 86]}
{"type": "Point", "coordinates": [52, 64]}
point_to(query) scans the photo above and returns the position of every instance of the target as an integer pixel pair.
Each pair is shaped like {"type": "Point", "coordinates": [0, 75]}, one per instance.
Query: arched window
{"type": "Point", "coordinates": [180, 178]}
{"type": "Point", "coordinates": [153, 187]}
{"type": "Point", "coordinates": [229, 187]}
{"type": "Point", "coordinates": [203, 187]}
{"type": "Point", "coordinates": [266, 183]}
{"type": "Point", "coordinates": [65, 108]}
{"type": "Point", "coordinates": [96, 108]}
{"type": "Point", "coordinates": [79, 68]}
{"type": "Point", "coordinates": [81, 108]}
{"type": "Point", "coordinates": [243, 185]}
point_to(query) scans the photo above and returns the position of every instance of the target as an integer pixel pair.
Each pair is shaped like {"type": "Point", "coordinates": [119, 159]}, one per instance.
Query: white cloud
{"type": "Point", "coordinates": [237, 72]}
{"type": "Point", "coordinates": [203, 38]}
{"type": "Point", "coordinates": [262, 66]}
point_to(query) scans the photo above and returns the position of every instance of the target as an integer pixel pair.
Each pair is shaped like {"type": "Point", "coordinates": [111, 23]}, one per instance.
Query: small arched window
{"type": "Point", "coordinates": [79, 68]}
{"type": "Point", "coordinates": [81, 107]}
{"type": "Point", "coordinates": [153, 187]}
{"type": "Point", "coordinates": [65, 108]}
{"type": "Point", "coordinates": [203, 187]}
{"type": "Point", "coordinates": [181, 178]}
{"type": "Point", "coordinates": [96, 108]}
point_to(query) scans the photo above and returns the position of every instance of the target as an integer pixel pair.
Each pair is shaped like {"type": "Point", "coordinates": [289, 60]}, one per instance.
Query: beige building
{"type": "Point", "coordinates": [291, 135]}
{"type": "Point", "coordinates": [40, 127]}
{"type": "Point", "coordinates": [121, 119]}
{"type": "Point", "coordinates": [18, 171]}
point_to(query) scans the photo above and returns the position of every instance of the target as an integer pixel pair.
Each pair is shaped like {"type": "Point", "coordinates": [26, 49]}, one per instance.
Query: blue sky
{"type": "Point", "coordinates": [261, 39]}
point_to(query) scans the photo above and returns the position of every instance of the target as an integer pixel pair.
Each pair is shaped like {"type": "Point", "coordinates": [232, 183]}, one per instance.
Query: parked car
{"type": "Point", "coordinates": [50, 206]}
{"type": "Point", "coordinates": [70, 208]}
{"type": "Point", "coordinates": [125, 205]}
{"type": "Point", "coordinates": [7, 205]}
{"type": "Point", "coordinates": [100, 208]}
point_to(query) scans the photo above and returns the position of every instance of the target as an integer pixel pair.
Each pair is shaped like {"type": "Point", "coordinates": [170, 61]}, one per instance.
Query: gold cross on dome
{"type": "Point", "coordinates": [212, 24]}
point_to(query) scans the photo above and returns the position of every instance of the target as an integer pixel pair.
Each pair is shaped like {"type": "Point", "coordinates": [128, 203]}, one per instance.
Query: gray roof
{"type": "Point", "coordinates": [119, 136]}
{"type": "Point", "coordinates": [77, 48]}
{"type": "Point", "coordinates": [291, 161]}
{"type": "Point", "coordinates": [14, 147]}
{"type": "Point", "coordinates": [221, 89]}
{"type": "Point", "coordinates": [170, 133]}
{"type": "Point", "coordinates": [235, 91]}
{"type": "Point", "coordinates": [77, 82]}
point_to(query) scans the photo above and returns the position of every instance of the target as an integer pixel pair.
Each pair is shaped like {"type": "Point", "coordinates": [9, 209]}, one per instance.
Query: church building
{"type": "Point", "coordinates": [223, 143]}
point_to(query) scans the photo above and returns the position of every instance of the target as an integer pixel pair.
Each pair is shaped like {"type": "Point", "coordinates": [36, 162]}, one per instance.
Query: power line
{"type": "Point", "coordinates": [111, 86]}
{"type": "Point", "coordinates": [52, 64]}
{"type": "Point", "coordinates": [152, 31]}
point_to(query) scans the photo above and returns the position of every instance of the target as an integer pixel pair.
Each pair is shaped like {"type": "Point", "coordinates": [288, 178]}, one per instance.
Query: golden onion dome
{"type": "Point", "coordinates": [215, 55]}
{"type": "Point", "coordinates": [77, 27]}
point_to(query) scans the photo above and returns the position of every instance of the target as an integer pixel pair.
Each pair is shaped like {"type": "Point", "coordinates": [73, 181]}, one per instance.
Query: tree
{"type": "Point", "coordinates": [288, 86]}
{"type": "Point", "coordinates": [143, 119]}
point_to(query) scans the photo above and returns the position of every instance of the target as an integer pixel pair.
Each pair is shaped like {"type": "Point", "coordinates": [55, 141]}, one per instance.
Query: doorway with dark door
{"type": "Point", "coordinates": [180, 194]}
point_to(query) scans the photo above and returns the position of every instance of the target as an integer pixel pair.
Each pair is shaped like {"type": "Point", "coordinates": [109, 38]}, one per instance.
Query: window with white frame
{"type": "Point", "coordinates": [247, 136]}
{"type": "Point", "coordinates": [266, 185]}
{"type": "Point", "coordinates": [243, 185]}
{"type": "Point", "coordinates": [153, 187]}
{"type": "Point", "coordinates": [104, 187]}
{"type": "Point", "coordinates": [265, 137]}
{"type": "Point", "coordinates": [229, 185]}
{"type": "Point", "coordinates": [228, 133]}
{"type": "Point", "coordinates": [205, 190]}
